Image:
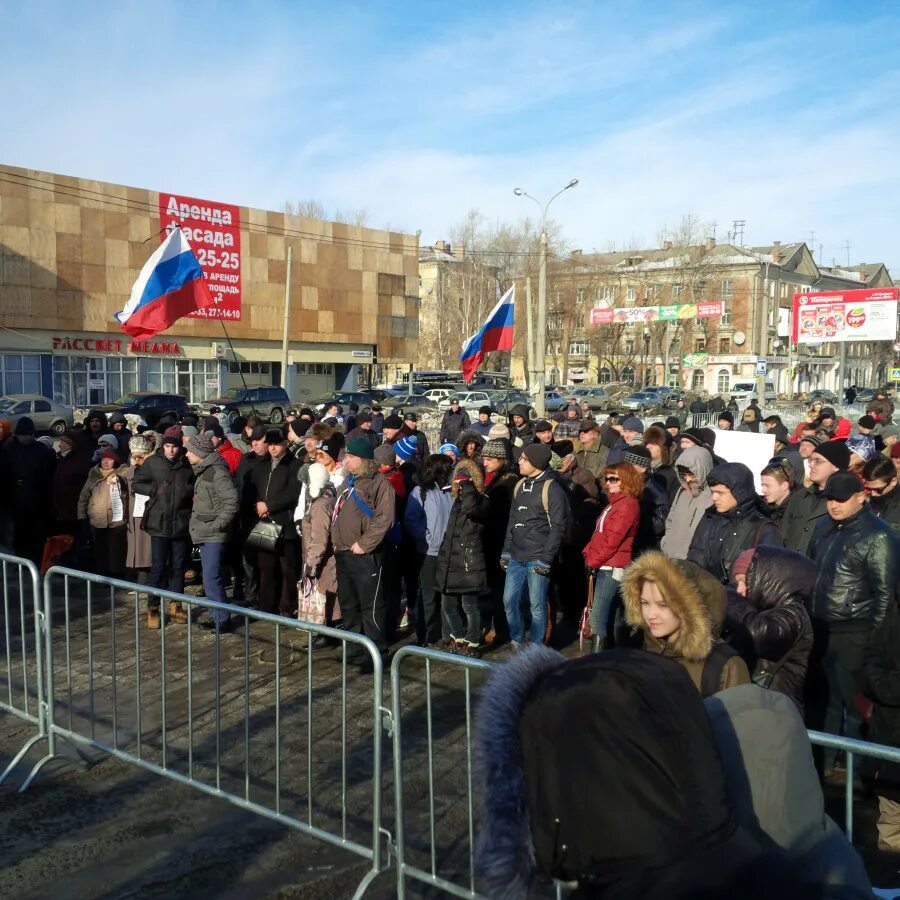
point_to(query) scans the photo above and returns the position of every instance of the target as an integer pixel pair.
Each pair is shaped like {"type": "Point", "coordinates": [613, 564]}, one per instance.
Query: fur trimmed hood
{"type": "Point", "coordinates": [694, 595]}
{"type": "Point", "coordinates": [476, 473]}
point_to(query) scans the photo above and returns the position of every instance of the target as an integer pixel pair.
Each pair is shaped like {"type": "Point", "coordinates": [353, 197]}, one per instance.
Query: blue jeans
{"type": "Point", "coordinates": [211, 558]}
{"type": "Point", "coordinates": [606, 589]}
{"type": "Point", "coordinates": [519, 576]}
{"type": "Point", "coordinates": [168, 560]}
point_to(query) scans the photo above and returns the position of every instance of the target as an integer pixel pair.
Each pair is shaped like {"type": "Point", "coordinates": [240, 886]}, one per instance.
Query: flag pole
{"type": "Point", "coordinates": [236, 362]}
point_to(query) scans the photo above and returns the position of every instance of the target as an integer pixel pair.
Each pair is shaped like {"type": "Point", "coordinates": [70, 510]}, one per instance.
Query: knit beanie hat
{"type": "Point", "coordinates": [110, 439]}
{"type": "Point", "coordinates": [200, 445]}
{"type": "Point", "coordinates": [384, 455]}
{"type": "Point", "coordinates": [406, 447]}
{"type": "Point", "coordinates": [25, 425]}
{"type": "Point", "coordinates": [863, 445]}
{"type": "Point", "coordinates": [538, 455]}
{"type": "Point", "coordinates": [742, 564]}
{"type": "Point", "coordinates": [836, 452]}
{"type": "Point", "coordinates": [813, 439]}
{"type": "Point", "coordinates": [362, 448]}
{"type": "Point", "coordinates": [393, 421]}
{"type": "Point", "coordinates": [238, 424]}
{"type": "Point", "coordinates": [673, 422]}
{"type": "Point", "coordinates": [498, 431]}
{"type": "Point", "coordinates": [190, 430]}
{"type": "Point", "coordinates": [866, 422]}
{"type": "Point", "coordinates": [173, 431]}
{"type": "Point", "coordinates": [449, 448]}
{"type": "Point", "coordinates": [496, 449]}
{"type": "Point", "coordinates": [637, 456]}
{"type": "Point", "coordinates": [726, 416]}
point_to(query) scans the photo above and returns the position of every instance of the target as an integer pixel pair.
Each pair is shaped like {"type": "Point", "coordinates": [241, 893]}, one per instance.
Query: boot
{"type": "Point", "coordinates": [175, 613]}
{"type": "Point", "coordinates": [598, 643]}
{"type": "Point", "coordinates": [153, 618]}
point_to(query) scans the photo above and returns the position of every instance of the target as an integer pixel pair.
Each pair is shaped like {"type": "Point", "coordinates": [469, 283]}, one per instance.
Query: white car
{"type": "Point", "coordinates": [435, 395]}
{"type": "Point", "coordinates": [467, 400]}
{"type": "Point", "coordinates": [745, 391]}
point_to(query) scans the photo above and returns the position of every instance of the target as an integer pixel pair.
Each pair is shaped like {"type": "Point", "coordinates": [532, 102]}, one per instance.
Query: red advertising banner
{"type": "Point", "coordinates": [867, 314]}
{"type": "Point", "coordinates": [214, 232]}
{"type": "Point", "coordinates": [602, 315]}
{"type": "Point", "coordinates": [711, 310]}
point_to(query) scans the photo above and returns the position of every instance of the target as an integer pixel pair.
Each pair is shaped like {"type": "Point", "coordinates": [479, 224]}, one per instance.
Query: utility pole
{"type": "Point", "coordinates": [529, 320]}
{"type": "Point", "coordinates": [285, 338]}
{"type": "Point", "coordinates": [541, 336]}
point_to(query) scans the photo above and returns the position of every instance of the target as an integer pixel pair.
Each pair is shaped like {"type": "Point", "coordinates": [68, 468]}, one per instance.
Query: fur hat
{"type": "Point", "coordinates": [317, 476]}
{"type": "Point", "coordinates": [140, 444]}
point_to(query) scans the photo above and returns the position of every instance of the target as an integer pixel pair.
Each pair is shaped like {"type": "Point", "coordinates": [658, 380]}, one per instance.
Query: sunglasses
{"type": "Point", "coordinates": [878, 491]}
{"type": "Point", "coordinates": [612, 479]}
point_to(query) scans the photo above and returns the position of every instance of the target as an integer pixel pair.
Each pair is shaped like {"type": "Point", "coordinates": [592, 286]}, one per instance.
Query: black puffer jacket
{"type": "Point", "coordinates": [887, 507]}
{"type": "Point", "coordinates": [535, 534]}
{"type": "Point", "coordinates": [881, 684]}
{"type": "Point", "coordinates": [275, 483]}
{"type": "Point", "coordinates": [721, 538]}
{"type": "Point", "coordinates": [654, 503]}
{"type": "Point", "coordinates": [461, 565]}
{"type": "Point", "coordinates": [772, 623]}
{"type": "Point", "coordinates": [805, 509]}
{"type": "Point", "coordinates": [452, 424]}
{"type": "Point", "coordinates": [170, 486]}
{"type": "Point", "coordinates": [858, 562]}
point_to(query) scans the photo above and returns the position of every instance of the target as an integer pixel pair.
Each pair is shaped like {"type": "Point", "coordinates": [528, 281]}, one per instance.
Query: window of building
{"type": "Point", "coordinates": [194, 379]}
{"type": "Point", "coordinates": [250, 368]}
{"type": "Point", "coordinates": [605, 292]}
{"type": "Point", "coordinates": [604, 376]}
{"type": "Point", "coordinates": [315, 368]}
{"type": "Point", "coordinates": [726, 312]}
{"type": "Point", "coordinates": [20, 374]}
{"type": "Point", "coordinates": [82, 381]}
{"type": "Point", "coordinates": [725, 345]}
{"type": "Point", "coordinates": [579, 296]}
{"type": "Point", "coordinates": [699, 345]}
{"type": "Point", "coordinates": [727, 289]}
{"type": "Point", "coordinates": [698, 380]}
{"type": "Point", "coordinates": [657, 291]}
{"type": "Point", "coordinates": [631, 293]}
{"type": "Point", "coordinates": [628, 375]}
{"type": "Point", "coordinates": [629, 346]}
{"type": "Point", "coordinates": [677, 290]}
{"type": "Point", "coordinates": [578, 348]}
{"type": "Point", "coordinates": [723, 381]}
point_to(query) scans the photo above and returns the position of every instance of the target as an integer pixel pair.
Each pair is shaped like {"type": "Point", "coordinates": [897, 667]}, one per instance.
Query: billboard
{"type": "Point", "coordinates": [606, 315]}
{"type": "Point", "coordinates": [868, 314]}
{"type": "Point", "coordinates": [214, 233]}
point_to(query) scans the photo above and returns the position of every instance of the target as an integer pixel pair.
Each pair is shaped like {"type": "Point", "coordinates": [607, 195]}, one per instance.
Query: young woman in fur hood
{"type": "Point", "coordinates": [681, 608]}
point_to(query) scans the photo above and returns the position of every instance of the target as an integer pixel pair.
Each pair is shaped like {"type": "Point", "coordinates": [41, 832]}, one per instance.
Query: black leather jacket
{"type": "Point", "coordinates": [859, 565]}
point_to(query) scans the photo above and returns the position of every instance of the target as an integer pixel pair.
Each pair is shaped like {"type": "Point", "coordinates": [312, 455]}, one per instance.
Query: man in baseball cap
{"type": "Point", "coordinates": [543, 431]}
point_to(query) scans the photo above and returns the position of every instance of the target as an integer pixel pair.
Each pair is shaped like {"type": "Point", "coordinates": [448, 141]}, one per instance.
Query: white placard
{"type": "Point", "coordinates": [753, 450]}
{"type": "Point", "coordinates": [140, 503]}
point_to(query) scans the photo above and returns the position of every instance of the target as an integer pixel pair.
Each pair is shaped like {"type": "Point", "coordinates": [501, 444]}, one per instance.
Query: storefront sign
{"type": "Point", "coordinates": [712, 310]}
{"type": "Point", "coordinates": [601, 315]}
{"type": "Point", "coordinates": [114, 345]}
{"type": "Point", "coordinates": [694, 360]}
{"type": "Point", "coordinates": [214, 233]}
{"type": "Point", "coordinates": [683, 312]}
{"type": "Point", "coordinates": [869, 314]}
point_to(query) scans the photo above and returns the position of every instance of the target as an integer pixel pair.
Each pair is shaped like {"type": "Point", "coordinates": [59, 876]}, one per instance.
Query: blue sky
{"type": "Point", "coordinates": [787, 116]}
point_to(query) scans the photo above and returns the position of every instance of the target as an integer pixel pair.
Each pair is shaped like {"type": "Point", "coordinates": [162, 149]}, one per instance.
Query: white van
{"type": "Point", "coordinates": [745, 391]}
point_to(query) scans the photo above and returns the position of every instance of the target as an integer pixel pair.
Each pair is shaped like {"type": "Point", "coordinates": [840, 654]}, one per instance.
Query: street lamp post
{"type": "Point", "coordinates": [541, 334]}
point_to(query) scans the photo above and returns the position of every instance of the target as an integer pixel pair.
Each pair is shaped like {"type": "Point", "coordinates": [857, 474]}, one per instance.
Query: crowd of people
{"type": "Point", "coordinates": [512, 532]}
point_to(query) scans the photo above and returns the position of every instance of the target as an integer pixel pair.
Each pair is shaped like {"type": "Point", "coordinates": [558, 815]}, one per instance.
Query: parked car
{"type": "Point", "coordinates": [503, 401]}
{"type": "Point", "coordinates": [46, 415]}
{"type": "Point", "coordinates": [823, 395]}
{"type": "Point", "coordinates": [745, 391]}
{"type": "Point", "coordinates": [149, 405]}
{"type": "Point", "coordinates": [410, 403]}
{"type": "Point", "coordinates": [554, 401]}
{"type": "Point", "coordinates": [596, 398]}
{"type": "Point", "coordinates": [864, 395]}
{"type": "Point", "coordinates": [269, 403]}
{"type": "Point", "coordinates": [345, 398]}
{"type": "Point", "coordinates": [643, 401]}
{"type": "Point", "coordinates": [467, 400]}
{"type": "Point", "coordinates": [437, 394]}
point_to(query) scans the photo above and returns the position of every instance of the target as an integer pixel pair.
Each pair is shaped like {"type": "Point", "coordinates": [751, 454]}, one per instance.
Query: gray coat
{"type": "Point", "coordinates": [215, 501]}
{"type": "Point", "coordinates": [687, 510]}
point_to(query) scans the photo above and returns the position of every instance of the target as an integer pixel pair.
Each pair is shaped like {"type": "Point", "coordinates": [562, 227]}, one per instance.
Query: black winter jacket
{"type": "Point", "coordinates": [500, 493]}
{"type": "Point", "coordinates": [170, 486]}
{"type": "Point", "coordinates": [534, 533]}
{"type": "Point", "coordinates": [721, 538]}
{"type": "Point", "coordinates": [858, 562]}
{"type": "Point", "coordinates": [461, 564]}
{"type": "Point", "coordinates": [772, 623]}
{"type": "Point", "coordinates": [275, 483]}
{"type": "Point", "coordinates": [887, 507]}
{"type": "Point", "coordinates": [881, 684]}
{"type": "Point", "coordinates": [654, 503]}
{"type": "Point", "coordinates": [244, 485]}
{"type": "Point", "coordinates": [805, 509]}
{"type": "Point", "coordinates": [452, 424]}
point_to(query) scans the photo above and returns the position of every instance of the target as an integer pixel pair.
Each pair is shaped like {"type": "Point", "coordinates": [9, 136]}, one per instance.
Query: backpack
{"type": "Point", "coordinates": [713, 666]}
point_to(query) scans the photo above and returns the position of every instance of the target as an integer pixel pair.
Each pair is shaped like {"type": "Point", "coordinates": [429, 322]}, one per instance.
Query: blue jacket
{"type": "Point", "coordinates": [426, 523]}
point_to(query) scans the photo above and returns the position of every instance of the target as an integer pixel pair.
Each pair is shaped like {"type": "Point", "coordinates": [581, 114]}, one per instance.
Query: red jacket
{"type": "Point", "coordinates": [612, 542]}
{"type": "Point", "coordinates": [230, 454]}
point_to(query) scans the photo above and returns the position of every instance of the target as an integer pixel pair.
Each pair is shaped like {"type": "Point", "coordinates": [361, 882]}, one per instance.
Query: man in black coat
{"type": "Point", "coordinates": [167, 479]}
{"type": "Point", "coordinates": [881, 484]}
{"type": "Point", "coordinates": [732, 524]}
{"type": "Point", "coordinates": [454, 421]}
{"type": "Point", "coordinates": [364, 429]}
{"type": "Point", "coordinates": [654, 501]}
{"type": "Point", "coordinates": [242, 561]}
{"type": "Point", "coordinates": [411, 421]}
{"type": "Point", "coordinates": [858, 560]}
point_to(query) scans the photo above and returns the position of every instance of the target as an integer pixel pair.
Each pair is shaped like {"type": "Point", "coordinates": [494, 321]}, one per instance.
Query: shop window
{"type": "Point", "coordinates": [20, 374]}
{"type": "Point", "coordinates": [250, 368]}
{"type": "Point", "coordinates": [315, 368]}
{"type": "Point", "coordinates": [83, 381]}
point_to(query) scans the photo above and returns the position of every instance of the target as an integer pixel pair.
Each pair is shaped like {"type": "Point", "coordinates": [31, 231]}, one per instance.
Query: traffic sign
{"type": "Point", "coordinates": [762, 366]}
{"type": "Point", "coordinates": [895, 373]}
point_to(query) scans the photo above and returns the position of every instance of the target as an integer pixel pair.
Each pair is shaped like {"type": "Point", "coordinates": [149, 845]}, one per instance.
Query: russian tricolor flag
{"type": "Point", "coordinates": [495, 334]}
{"type": "Point", "coordinates": [170, 286]}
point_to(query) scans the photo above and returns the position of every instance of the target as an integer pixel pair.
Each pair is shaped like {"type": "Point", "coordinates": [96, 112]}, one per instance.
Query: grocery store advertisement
{"type": "Point", "coordinates": [868, 314]}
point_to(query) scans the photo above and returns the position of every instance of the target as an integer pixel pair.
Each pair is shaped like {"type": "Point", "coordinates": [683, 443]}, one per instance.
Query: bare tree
{"type": "Point", "coordinates": [310, 208]}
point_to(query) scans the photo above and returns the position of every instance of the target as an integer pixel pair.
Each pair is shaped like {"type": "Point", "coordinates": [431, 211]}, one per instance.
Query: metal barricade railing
{"type": "Point", "coordinates": [22, 664]}
{"type": "Point", "coordinates": [185, 705]}
{"type": "Point", "coordinates": [852, 748]}
{"type": "Point", "coordinates": [703, 420]}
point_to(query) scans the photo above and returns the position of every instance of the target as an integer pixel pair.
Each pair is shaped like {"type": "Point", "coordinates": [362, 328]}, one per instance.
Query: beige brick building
{"type": "Point", "coordinates": [70, 250]}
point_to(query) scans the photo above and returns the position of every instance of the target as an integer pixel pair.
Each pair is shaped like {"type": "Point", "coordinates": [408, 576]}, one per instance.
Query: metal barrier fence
{"type": "Point", "coordinates": [169, 702]}
{"type": "Point", "coordinates": [22, 682]}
